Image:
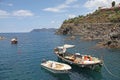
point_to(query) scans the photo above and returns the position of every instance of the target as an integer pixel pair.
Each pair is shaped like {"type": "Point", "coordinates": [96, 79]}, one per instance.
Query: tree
{"type": "Point", "coordinates": [113, 4]}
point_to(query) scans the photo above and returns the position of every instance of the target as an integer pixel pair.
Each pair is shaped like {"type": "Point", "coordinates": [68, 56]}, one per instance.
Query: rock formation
{"type": "Point", "coordinates": [100, 25]}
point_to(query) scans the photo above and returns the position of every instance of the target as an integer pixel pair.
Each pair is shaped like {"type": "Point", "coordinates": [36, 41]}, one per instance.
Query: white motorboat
{"type": "Point", "coordinates": [14, 41]}
{"type": "Point", "coordinates": [56, 67]}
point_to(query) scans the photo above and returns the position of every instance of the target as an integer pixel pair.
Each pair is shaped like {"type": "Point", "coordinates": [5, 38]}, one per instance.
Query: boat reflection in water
{"type": "Point", "coordinates": [84, 61]}
{"type": "Point", "coordinates": [56, 76]}
{"type": "Point", "coordinates": [83, 73]}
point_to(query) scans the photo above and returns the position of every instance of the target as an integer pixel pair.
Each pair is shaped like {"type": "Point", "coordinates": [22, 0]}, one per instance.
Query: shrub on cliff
{"type": "Point", "coordinates": [113, 3]}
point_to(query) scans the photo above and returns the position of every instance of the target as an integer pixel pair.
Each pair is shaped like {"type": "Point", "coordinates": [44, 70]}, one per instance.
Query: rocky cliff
{"type": "Point", "coordinates": [101, 25]}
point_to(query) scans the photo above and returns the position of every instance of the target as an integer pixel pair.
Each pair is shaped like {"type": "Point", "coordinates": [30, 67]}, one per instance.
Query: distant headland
{"type": "Point", "coordinates": [43, 29]}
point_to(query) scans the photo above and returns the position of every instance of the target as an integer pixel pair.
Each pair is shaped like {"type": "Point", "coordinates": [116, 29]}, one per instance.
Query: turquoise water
{"type": "Point", "coordinates": [22, 61]}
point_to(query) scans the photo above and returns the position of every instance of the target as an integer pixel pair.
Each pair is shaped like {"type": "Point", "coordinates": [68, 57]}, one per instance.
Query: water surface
{"type": "Point", "coordinates": [22, 61]}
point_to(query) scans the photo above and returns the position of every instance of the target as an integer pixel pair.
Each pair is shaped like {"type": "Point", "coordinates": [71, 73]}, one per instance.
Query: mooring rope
{"type": "Point", "coordinates": [110, 71]}
{"type": "Point", "coordinates": [73, 75]}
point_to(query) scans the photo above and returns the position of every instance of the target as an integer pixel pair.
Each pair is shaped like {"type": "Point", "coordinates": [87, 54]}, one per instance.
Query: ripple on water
{"type": "Point", "coordinates": [5, 72]}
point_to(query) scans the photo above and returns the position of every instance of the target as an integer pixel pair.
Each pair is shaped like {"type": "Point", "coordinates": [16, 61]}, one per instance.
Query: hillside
{"type": "Point", "coordinates": [103, 24]}
{"type": "Point", "coordinates": [99, 16]}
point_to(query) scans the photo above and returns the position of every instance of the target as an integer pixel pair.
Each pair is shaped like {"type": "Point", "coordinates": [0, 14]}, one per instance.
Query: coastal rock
{"type": "Point", "coordinates": [71, 38]}
{"type": "Point", "coordinates": [100, 25]}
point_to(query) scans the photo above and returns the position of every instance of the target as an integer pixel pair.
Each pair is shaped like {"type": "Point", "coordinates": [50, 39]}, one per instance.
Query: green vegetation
{"type": "Point", "coordinates": [113, 4]}
{"type": "Point", "coordinates": [103, 25]}
{"type": "Point", "coordinates": [99, 16]}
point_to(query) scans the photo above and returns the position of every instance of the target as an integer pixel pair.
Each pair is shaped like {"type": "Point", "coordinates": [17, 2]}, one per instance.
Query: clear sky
{"type": "Point", "coordinates": [25, 15]}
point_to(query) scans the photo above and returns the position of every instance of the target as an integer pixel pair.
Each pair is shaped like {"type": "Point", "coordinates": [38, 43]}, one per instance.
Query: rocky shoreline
{"type": "Point", "coordinates": [107, 33]}
{"type": "Point", "coordinates": [102, 25]}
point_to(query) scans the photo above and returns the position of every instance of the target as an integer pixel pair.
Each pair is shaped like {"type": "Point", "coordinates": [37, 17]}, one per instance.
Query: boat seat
{"type": "Point", "coordinates": [78, 60]}
{"type": "Point", "coordinates": [72, 58]}
{"type": "Point", "coordinates": [59, 66]}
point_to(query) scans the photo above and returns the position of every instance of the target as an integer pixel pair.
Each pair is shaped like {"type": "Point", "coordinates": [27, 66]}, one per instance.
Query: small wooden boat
{"type": "Point", "coordinates": [77, 58]}
{"type": "Point", "coordinates": [14, 41]}
{"type": "Point", "coordinates": [55, 67]}
{"type": "Point", "coordinates": [2, 38]}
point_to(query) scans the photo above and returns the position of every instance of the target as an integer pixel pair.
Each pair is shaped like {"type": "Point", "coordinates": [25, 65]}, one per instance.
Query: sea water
{"type": "Point", "coordinates": [22, 61]}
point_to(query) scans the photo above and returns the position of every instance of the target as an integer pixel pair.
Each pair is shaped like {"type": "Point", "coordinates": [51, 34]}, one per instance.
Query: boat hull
{"type": "Point", "coordinates": [57, 68]}
{"type": "Point", "coordinates": [93, 66]}
{"type": "Point", "coordinates": [14, 42]}
{"type": "Point", "coordinates": [56, 71]}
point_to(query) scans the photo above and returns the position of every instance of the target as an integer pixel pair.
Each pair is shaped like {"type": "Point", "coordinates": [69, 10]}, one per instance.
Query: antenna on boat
{"type": "Point", "coordinates": [102, 57]}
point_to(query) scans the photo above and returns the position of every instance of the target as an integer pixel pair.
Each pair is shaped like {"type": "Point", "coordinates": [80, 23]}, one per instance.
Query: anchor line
{"type": "Point", "coordinates": [73, 74]}
{"type": "Point", "coordinates": [109, 71]}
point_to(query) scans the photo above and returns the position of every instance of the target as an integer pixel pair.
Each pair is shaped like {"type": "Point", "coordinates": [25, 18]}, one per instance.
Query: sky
{"type": "Point", "coordinates": [25, 15]}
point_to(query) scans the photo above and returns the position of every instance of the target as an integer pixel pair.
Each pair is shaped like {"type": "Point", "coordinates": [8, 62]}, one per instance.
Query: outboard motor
{"type": "Point", "coordinates": [56, 50]}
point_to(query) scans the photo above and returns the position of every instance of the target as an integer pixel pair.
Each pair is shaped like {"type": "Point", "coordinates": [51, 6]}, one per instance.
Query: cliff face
{"type": "Point", "coordinates": [101, 25]}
